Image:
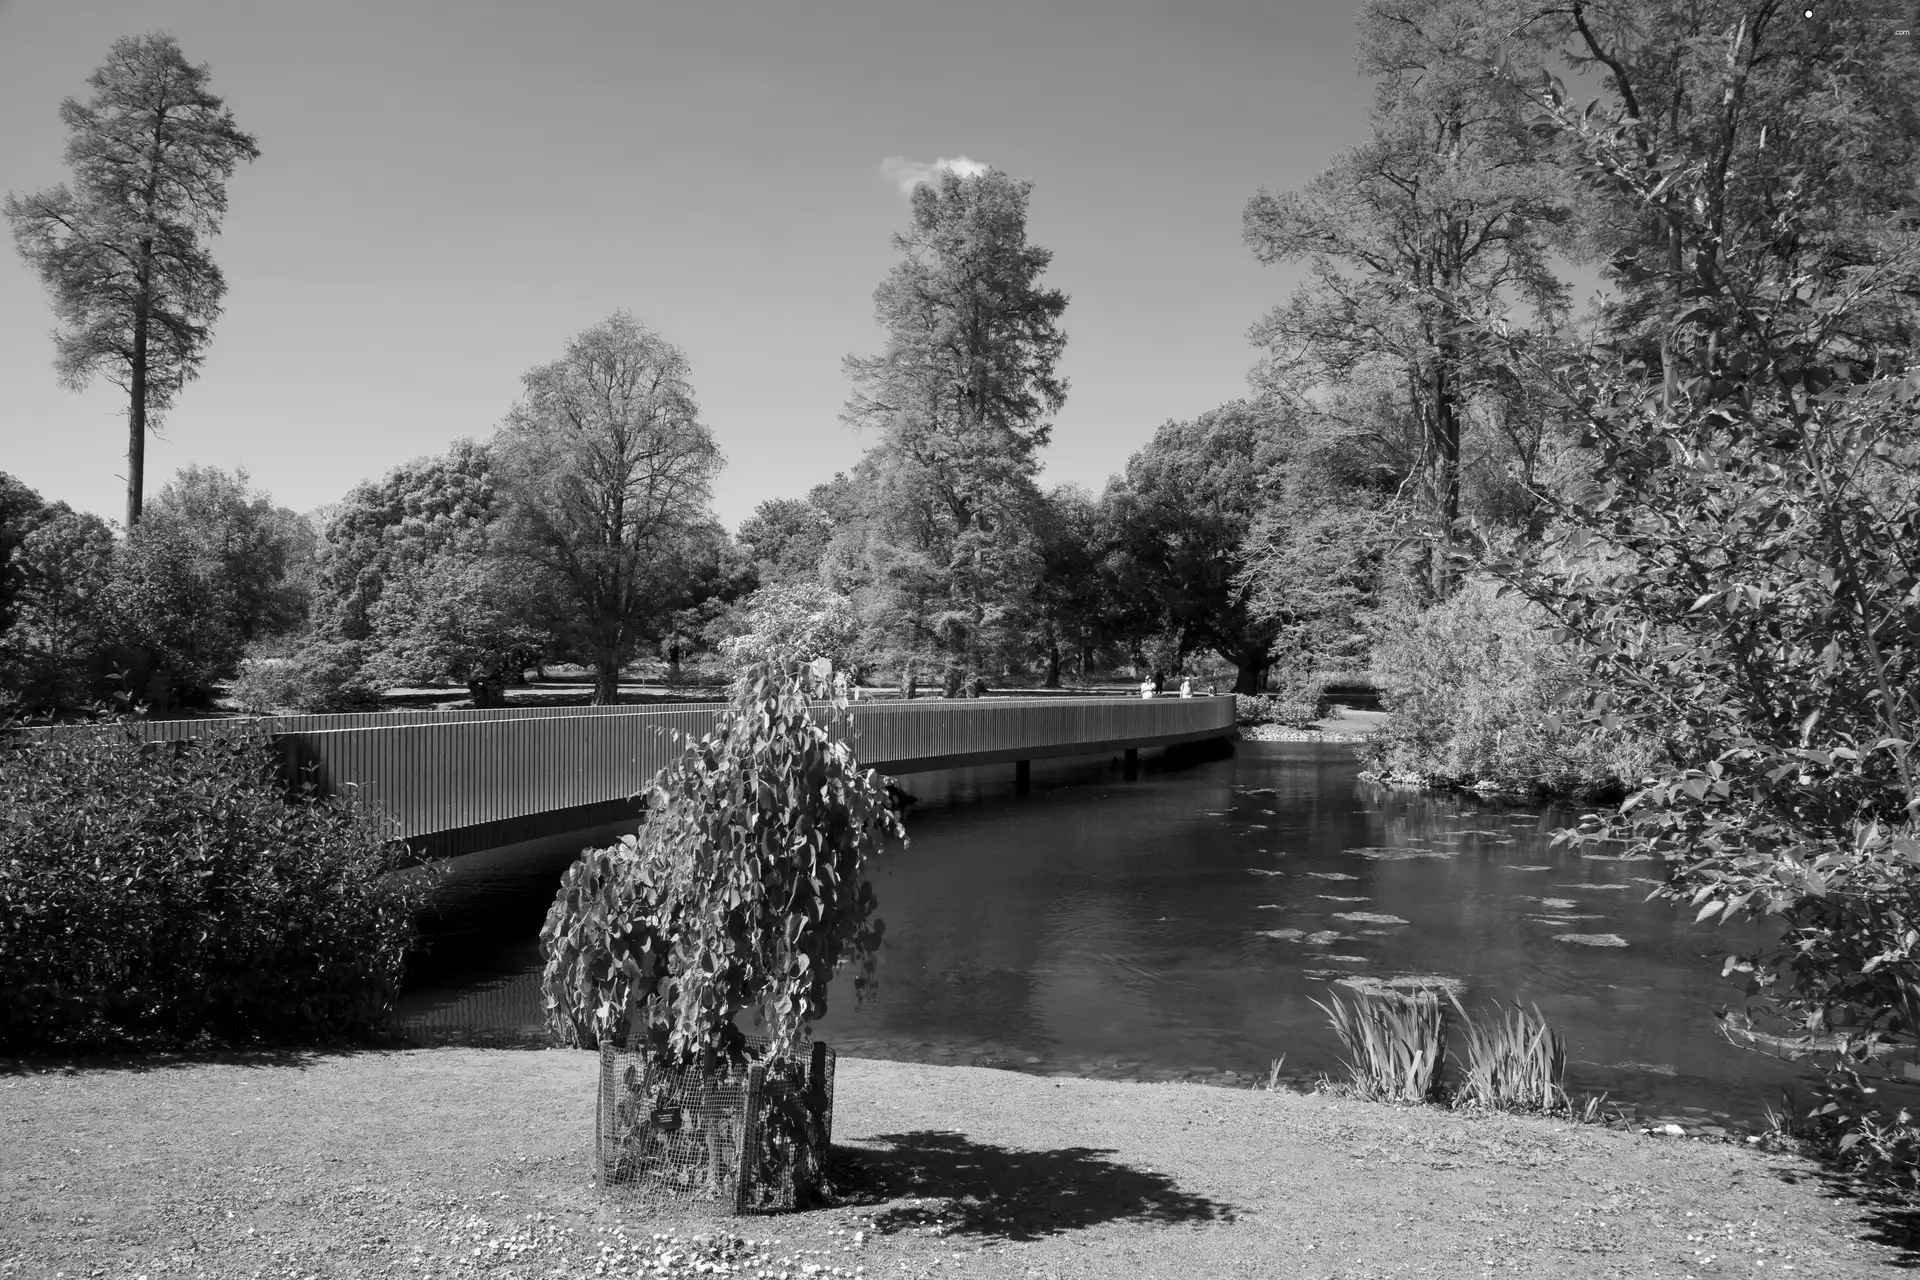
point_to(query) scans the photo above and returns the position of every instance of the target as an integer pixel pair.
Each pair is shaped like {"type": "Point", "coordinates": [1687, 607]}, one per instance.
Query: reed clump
{"type": "Point", "coordinates": [1394, 1044]}
{"type": "Point", "coordinates": [1512, 1059]}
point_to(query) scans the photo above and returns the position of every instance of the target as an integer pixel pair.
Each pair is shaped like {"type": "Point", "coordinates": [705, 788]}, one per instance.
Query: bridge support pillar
{"type": "Point", "coordinates": [1132, 766]}
{"type": "Point", "coordinates": [1022, 777]}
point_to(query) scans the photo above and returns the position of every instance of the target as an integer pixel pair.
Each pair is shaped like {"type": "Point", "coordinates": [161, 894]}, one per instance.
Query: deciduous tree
{"type": "Point", "coordinates": [1180, 518]}
{"type": "Point", "coordinates": [1447, 198]}
{"type": "Point", "coordinates": [608, 469]}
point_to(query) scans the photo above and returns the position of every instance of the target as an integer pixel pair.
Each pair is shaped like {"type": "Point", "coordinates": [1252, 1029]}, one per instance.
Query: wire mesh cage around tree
{"type": "Point", "coordinates": [750, 1136]}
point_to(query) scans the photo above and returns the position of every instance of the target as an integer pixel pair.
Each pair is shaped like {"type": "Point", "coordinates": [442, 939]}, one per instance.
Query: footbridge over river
{"type": "Point", "coordinates": [460, 781]}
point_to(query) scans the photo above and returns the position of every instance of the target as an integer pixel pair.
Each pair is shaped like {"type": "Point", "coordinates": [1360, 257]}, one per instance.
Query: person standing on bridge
{"type": "Point", "coordinates": [1186, 688]}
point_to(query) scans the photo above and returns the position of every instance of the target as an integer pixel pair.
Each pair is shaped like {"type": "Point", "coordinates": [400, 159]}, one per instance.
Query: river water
{"type": "Point", "coordinates": [1183, 924]}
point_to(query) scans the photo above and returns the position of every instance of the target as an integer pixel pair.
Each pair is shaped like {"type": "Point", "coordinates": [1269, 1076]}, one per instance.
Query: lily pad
{"type": "Point", "coordinates": [1368, 917]}
{"type": "Point", "coordinates": [1403, 855]}
{"type": "Point", "coordinates": [1591, 939]}
{"type": "Point", "coordinates": [1405, 985]}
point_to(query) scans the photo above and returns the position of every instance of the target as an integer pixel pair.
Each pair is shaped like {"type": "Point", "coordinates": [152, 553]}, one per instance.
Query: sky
{"type": "Point", "coordinates": [450, 189]}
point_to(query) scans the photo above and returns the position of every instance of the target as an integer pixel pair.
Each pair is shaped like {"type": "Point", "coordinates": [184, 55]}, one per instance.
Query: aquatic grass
{"type": "Point", "coordinates": [1514, 1061]}
{"type": "Point", "coordinates": [1394, 1044]}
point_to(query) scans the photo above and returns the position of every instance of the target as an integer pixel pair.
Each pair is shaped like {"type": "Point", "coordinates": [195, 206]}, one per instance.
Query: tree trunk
{"type": "Point", "coordinates": [1444, 415]}
{"type": "Point", "coordinates": [137, 392]}
{"type": "Point", "coordinates": [1248, 669]}
{"type": "Point", "coordinates": [606, 677]}
{"type": "Point", "coordinates": [1053, 666]}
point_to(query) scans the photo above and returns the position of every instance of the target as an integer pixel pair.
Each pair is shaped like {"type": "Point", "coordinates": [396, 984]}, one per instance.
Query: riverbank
{"type": "Point", "coordinates": [469, 1162]}
{"type": "Point", "coordinates": [1348, 726]}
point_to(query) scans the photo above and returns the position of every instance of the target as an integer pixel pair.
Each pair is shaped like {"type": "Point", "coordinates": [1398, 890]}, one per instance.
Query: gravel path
{"type": "Point", "coordinates": [470, 1162]}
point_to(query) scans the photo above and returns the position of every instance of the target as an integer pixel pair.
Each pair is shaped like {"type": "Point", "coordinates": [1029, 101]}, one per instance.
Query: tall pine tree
{"type": "Point", "coordinates": [961, 397]}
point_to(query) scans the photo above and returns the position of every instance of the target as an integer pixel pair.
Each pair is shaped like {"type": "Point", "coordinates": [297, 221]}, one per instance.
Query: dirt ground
{"type": "Point", "coordinates": [471, 1162]}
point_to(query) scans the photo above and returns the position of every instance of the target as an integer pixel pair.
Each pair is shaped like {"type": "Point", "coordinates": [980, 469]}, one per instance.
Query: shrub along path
{"type": "Point", "coordinates": [470, 1162]}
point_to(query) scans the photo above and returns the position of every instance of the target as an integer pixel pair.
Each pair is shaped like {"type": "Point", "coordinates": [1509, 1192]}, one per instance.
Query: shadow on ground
{"type": "Point", "coordinates": [1887, 1217]}
{"type": "Point", "coordinates": [298, 1057]}
{"type": "Point", "coordinates": [985, 1190]}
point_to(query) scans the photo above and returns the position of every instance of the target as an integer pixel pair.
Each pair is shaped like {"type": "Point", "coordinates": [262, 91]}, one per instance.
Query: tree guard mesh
{"type": "Point", "coordinates": [667, 1132]}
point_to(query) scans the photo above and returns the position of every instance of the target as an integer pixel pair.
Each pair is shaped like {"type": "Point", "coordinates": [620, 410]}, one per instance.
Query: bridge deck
{"type": "Point", "coordinates": [459, 781]}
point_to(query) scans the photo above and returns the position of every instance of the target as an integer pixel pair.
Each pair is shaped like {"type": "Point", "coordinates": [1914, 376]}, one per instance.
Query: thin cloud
{"type": "Point", "coordinates": [908, 174]}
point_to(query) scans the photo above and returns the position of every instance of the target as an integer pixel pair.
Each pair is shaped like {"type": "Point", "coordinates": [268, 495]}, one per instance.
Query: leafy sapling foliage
{"type": "Point", "coordinates": [742, 892]}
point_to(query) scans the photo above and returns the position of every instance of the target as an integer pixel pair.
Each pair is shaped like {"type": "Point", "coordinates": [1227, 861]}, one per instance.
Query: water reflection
{"type": "Point", "coordinates": [1182, 924]}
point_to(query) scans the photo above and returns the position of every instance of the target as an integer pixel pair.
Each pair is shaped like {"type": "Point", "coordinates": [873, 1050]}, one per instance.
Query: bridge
{"type": "Point", "coordinates": [458, 782]}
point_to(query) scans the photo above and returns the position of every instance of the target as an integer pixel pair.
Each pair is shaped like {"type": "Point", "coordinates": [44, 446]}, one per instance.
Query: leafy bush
{"type": "Point", "coordinates": [320, 676]}
{"type": "Point", "coordinates": [796, 619]}
{"type": "Point", "coordinates": [172, 893]}
{"type": "Point", "coordinates": [1476, 686]}
{"type": "Point", "coordinates": [742, 891]}
{"type": "Point", "coordinates": [55, 653]}
{"type": "Point", "coordinates": [1298, 704]}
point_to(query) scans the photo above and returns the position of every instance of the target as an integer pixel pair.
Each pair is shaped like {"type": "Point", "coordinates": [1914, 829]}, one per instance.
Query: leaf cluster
{"type": "Point", "coordinates": [743, 891]}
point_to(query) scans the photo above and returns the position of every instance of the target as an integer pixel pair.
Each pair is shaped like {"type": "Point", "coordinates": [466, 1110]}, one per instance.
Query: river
{"type": "Point", "coordinates": [1183, 924]}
